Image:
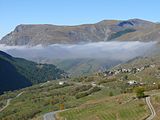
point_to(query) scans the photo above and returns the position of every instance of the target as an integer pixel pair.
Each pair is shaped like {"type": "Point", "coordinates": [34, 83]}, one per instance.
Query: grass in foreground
{"type": "Point", "coordinates": [122, 107]}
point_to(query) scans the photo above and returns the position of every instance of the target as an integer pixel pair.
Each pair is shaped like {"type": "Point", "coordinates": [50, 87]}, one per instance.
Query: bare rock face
{"type": "Point", "coordinates": [46, 34]}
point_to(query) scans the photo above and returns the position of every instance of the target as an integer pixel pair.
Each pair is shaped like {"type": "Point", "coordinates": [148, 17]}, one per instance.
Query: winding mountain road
{"type": "Point", "coordinates": [44, 83]}
{"type": "Point", "coordinates": [51, 115]}
{"type": "Point", "coordinates": [8, 103]}
{"type": "Point", "coordinates": [20, 94]}
{"type": "Point", "coordinates": [9, 100]}
{"type": "Point", "coordinates": [153, 113]}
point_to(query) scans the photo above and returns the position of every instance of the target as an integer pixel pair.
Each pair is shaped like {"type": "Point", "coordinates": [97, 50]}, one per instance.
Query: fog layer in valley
{"type": "Point", "coordinates": [108, 50]}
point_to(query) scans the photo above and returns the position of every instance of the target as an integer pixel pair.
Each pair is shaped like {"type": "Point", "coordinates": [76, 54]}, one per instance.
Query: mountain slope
{"type": "Point", "coordinates": [77, 67]}
{"type": "Point", "coordinates": [149, 34]}
{"type": "Point", "coordinates": [10, 79]}
{"type": "Point", "coordinates": [82, 96]}
{"type": "Point", "coordinates": [51, 34]}
{"type": "Point", "coordinates": [16, 73]}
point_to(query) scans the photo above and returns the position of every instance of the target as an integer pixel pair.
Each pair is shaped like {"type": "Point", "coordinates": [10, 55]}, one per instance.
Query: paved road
{"type": "Point", "coordinates": [44, 83]}
{"type": "Point", "coordinates": [9, 101]}
{"type": "Point", "coordinates": [51, 115]}
{"type": "Point", "coordinates": [19, 94]}
{"type": "Point", "coordinates": [153, 113]}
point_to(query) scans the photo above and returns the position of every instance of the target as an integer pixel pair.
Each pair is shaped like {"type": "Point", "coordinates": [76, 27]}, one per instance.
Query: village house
{"type": "Point", "coordinates": [61, 82]}
{"type": "Point", "coordinates": [93, 84]}
{"type": "Point", "coordinates": [132, 82]}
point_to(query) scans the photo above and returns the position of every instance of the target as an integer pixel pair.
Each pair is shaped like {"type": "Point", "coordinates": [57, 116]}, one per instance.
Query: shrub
{"type": "Point", "coordinates": [89, 79]}
{"type": "Point", "coordinates": [106, 80]}
{"type": "Point", "coordinates": [78, 89]}
{"type": "Point", "coordinates": [94, 89]}
{"type": "Point", "coordinates": [86, 93]}
{"type": "Point", "coordinates": [111, 93]}
{"type": "Point", "coordinates": [140, 92]}
{"type": "Point", "coordinates": [102, 81]}
{"type": "Point", "coordinates": [158, 86]}
{"type": "Point", "coordinates": [126, 77]}
{"type": "Point", "coordinates": [82, 94]}
{"type": "Point", "coordinates": [141, 104]}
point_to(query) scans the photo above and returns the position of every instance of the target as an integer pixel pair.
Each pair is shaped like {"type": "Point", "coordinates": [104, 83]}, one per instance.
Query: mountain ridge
{"type": "Point", "coordinates": [45, 34]}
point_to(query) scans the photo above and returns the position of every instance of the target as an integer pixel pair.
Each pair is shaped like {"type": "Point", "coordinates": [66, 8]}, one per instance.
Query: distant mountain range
{"type": "Point", "coordinates": [16, 73]}
{"type": "Point", "coordinates": [107, 30]}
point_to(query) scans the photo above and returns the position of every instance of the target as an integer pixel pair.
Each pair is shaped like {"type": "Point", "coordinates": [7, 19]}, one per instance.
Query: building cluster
{"type": "Point", "coordinates": [125, 70]}
{"type": "Point", "coordinates": [112, 73]}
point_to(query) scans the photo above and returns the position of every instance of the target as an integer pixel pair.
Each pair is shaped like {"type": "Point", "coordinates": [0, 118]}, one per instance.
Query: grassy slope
{"type": "Point", "coordinates": [108, 109]}
{"type": "Point", "coordinates": [156, 104]}
{"type": "Point", "coordinates": [38, 100]}
{"type": "Point", "coordinates": [150, 77]}
{"type": "Point", "coordinates": [101, 104]}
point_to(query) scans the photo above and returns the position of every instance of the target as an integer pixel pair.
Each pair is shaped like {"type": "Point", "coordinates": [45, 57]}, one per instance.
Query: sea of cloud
{"type": "Point", "coordinates": [108, 50]}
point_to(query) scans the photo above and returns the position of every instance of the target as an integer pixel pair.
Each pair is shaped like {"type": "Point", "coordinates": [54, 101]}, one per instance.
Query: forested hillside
{"type": "Point", "coordinates": [16, 73]}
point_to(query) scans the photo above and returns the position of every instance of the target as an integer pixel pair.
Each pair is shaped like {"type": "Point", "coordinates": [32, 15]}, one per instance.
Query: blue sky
{"type": "Point", "coordinates": [73, 12]}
